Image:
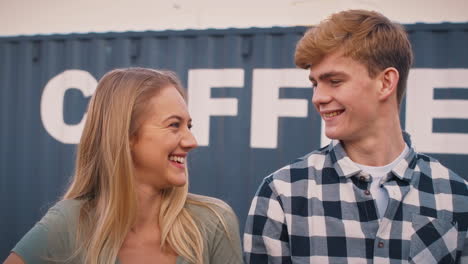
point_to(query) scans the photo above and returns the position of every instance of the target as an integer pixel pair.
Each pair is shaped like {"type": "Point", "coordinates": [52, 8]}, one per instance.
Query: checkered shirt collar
{"type": "Point", "coordinates": [346, 168]}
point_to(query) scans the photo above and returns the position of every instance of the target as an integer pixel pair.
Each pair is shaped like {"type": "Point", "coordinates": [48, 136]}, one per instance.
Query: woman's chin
{"type": "Point", "coordinates": [179, 182]}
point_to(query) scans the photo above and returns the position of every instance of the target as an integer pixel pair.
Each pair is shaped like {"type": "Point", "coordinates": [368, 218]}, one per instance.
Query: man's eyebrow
{"type": "Point", "coordinates": [326, 75]}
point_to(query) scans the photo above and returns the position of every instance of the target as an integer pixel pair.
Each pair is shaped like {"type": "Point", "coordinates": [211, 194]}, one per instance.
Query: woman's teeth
{"type": "Point", "coordinates": [177, 159]}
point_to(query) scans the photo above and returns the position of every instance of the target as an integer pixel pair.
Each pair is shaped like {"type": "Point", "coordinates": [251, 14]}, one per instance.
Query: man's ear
{"type": "Point", "coordinates": [389, 78]}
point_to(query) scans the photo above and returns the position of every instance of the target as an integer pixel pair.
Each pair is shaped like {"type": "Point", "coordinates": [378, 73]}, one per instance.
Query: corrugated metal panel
{"type": "Point", "coordinates": [35, 167]}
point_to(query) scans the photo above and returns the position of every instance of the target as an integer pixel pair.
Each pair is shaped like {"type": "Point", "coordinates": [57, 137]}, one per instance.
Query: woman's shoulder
{"type": "Point", "coordinates": [68, 205]}
{"type": "Point", "coordinates": [219, 227]}
{"type": "Point", "coordinates": [64, 211]}
{"type": "Point", "coordinates": [212, 214]}
{"type": "Point", "coordinates": [53, 236]}
{"type": "Point", "coordinates": [207, 207]}
{"type": "Point", "coordinates": [67, 208]}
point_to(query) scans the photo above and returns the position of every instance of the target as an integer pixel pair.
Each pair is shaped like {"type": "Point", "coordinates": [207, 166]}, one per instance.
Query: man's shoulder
{"type": "Point", "coordinates": [434, 169]}
{"type": "Point", "coordinates": [304, 168]}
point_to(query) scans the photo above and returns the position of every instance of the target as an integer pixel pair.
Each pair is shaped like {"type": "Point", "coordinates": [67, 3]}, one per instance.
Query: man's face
{"type": "Point", "coordinates": [346, 97]}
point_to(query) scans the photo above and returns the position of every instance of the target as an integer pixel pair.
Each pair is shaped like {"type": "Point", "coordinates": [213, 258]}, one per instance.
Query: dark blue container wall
{"type": "Point", "coordinates": [35, 167]}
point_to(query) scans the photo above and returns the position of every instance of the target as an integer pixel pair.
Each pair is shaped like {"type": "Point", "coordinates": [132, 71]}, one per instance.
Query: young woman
{"type": "Point", "coordinates": [129, 201]}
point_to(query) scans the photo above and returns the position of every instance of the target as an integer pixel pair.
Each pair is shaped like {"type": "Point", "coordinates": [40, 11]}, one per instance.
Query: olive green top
{"type": "Point", "coordinates": [52, 239]}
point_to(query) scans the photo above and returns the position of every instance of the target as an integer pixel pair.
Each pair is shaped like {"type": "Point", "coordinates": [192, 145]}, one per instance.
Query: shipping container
{"type": "Point", "coordinates": [231, 76]}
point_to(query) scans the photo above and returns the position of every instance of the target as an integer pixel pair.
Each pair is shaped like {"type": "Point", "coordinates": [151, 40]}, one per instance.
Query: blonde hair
{"type": "Point", "coordinates": [104, 180]}
{"type": "Point", "coordinates": [365, 36]}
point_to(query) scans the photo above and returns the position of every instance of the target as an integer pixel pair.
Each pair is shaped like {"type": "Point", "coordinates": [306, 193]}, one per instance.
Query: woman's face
{"type": "Point", "coordinates": [160, 146]}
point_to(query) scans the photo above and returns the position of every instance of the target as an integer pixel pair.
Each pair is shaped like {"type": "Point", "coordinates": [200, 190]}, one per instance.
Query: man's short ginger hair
{"type": "Point", "coordinates": [365, 36]}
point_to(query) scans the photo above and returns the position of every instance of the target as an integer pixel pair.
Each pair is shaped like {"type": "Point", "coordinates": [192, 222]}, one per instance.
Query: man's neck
{"type": "Point", "coordinates": [377, 149]}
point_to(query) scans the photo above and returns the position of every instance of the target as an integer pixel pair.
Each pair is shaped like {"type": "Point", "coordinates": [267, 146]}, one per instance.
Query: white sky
{"type": "Point", "coordinates": [27, 17]}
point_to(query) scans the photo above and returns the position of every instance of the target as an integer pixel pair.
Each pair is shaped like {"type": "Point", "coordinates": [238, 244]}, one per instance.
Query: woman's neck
{"type": "Point", "coordinates": [148, 206]}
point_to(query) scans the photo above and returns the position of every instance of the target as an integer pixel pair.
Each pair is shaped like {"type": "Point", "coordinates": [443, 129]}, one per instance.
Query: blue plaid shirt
{"type": "Point", "coordinates": [320, 210]}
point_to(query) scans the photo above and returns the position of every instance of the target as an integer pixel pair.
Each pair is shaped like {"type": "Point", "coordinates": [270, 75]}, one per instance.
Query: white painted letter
{"type": "Point", "coordinates": [421, 108]}
{"type": "Point", "coordinates": [52, 104]}
{"type": "Point", "coordinates": [202, 106]}
{"type": "Point", "coordinates": [267, 107]}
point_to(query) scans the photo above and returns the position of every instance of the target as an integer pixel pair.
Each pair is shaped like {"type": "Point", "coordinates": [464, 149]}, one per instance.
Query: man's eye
{"type": "Point", "coordinates": [190, 126]}
{"type": "Point", "coordinates": [335, 82]}
{"type": "Point", "coordinates": [314, 85]}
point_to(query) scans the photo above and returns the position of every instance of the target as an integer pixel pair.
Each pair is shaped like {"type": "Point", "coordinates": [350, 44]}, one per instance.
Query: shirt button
{"type": "Point", "coordinates": [381, 244]}
{"type": "Point", "coordinates": [367, 192]}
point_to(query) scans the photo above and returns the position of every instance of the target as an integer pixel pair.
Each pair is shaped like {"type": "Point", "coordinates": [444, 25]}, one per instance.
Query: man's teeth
{"type": "Point", "coordinates": [177, 159]}
{"type": "Point", "coordinates": [332, 114]}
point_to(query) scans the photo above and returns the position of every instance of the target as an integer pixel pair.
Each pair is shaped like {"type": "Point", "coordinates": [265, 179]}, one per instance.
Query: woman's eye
{"type": "Point", "coordinates": [175, 124]}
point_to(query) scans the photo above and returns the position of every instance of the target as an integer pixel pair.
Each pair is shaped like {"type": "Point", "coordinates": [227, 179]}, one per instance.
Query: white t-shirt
{"type": "Point", "coordinates": [379, 193]}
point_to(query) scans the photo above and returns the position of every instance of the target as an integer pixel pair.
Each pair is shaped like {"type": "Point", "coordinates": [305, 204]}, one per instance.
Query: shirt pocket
{"type": "Point", "coordinates": [434, 240]}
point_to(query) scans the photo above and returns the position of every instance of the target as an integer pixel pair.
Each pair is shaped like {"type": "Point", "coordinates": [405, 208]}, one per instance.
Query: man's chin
{"type": "Point", "coordinates": [333, 135]}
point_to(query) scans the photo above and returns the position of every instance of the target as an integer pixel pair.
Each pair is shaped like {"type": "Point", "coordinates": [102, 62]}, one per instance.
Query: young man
{"type": "Point", "coordinates": [368, 197]}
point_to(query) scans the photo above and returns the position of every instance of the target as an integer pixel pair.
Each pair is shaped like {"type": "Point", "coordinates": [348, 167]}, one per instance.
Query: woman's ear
{"type": "Point", "coordinates": [132, 140]}
{"type": "Point", "coordinates": [389, 78]}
